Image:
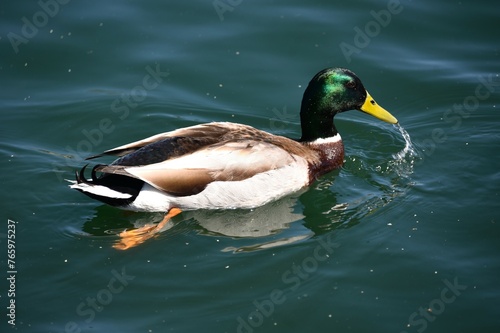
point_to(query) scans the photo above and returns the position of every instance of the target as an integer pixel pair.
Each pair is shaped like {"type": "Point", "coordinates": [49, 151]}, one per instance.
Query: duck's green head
{"type": "Point", "coordinates": [331, 91]}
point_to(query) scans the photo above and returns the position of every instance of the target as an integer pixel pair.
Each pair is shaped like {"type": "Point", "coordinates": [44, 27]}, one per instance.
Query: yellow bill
{"type": "Point", "coordinates": [371, 107]}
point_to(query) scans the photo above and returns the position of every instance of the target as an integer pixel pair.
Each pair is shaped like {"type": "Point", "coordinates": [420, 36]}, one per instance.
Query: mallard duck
{"type": "Point", "coordinates": [223, 165]}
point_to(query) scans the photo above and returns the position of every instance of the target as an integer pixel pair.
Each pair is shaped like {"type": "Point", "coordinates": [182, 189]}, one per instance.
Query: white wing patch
{"type": "Point", "coordinates": [100, 190]}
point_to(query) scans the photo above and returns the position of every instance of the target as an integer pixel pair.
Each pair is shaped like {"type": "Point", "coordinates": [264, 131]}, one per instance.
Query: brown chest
{"type": "Point", "coordinates": [331, 157]}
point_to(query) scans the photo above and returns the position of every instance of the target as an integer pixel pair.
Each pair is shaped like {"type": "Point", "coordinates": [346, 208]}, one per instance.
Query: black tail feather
{"type": "Point", "coordinates": [118, 183]}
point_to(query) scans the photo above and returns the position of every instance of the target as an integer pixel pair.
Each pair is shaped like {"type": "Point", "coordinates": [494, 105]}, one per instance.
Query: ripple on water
{"type": "Point", "coordinates": [368, 183]}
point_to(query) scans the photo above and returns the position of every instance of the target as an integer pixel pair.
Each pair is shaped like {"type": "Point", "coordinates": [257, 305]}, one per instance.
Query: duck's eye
{"type": "Point", "coordinates": [350, 84]}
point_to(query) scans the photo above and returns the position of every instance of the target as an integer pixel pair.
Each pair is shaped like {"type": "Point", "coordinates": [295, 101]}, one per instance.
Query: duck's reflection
{"type": "Point", "coordinates": [288, 220]}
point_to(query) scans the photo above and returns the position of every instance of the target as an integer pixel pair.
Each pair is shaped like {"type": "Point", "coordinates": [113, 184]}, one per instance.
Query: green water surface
{"type": "Point", "coordinates": [385, 244]}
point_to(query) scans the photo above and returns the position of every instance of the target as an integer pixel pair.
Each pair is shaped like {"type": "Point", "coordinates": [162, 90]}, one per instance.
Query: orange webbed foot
{"type": "Point", "coordinates": [132, 238]}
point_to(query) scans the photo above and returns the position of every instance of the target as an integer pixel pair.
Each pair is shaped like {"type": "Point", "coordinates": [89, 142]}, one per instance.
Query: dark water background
{"type": "Point", "coordinates": [386, 244]}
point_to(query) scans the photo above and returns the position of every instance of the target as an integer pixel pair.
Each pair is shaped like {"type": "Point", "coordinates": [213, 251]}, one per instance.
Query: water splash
{"type": "Point", "coordinates": [409, 149]}
{"type": "Point", "coordinates": [405, 159]}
